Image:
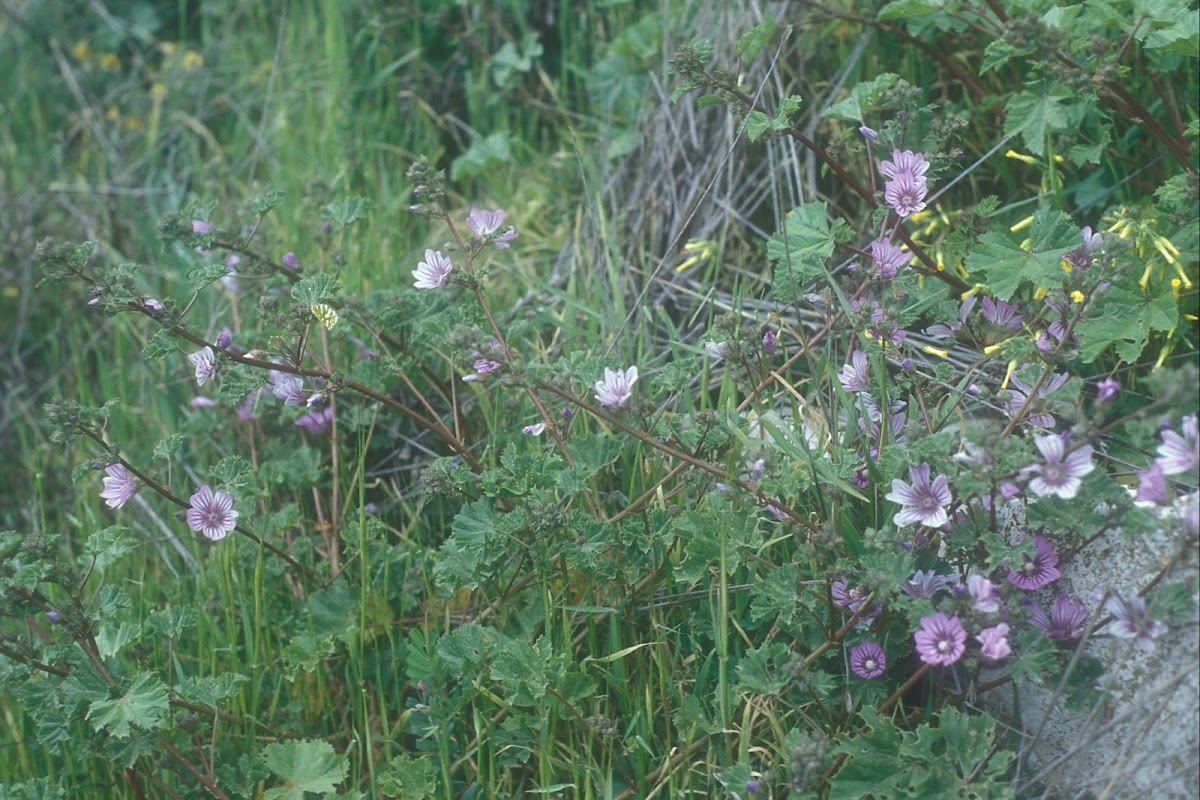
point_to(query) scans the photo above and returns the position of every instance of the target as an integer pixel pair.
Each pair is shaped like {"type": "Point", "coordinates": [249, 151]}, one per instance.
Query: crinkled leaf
{"type": "Point", "coordinates": [1125, 320]}
{"type": "Point", "coordinates": [319, 288]}
{"type": "Point", "coordinates": [800, 251]}
{"type": "Point", "coordinates": [348, 210]}
{"type": "Point", "coordinates": [1036, 115]}
{"type": "Point", "coordinates": [406, 778]}
{"type": "Point", "coordinates": [1006, 265]}
{"type": "Point", "coordinates": [265, 202]}
{"type": "Point", "coordinates": [205, 274]}
{"type": "Point", "coordinates": [163, 343]}
{"type": "Point", "coordinates": [863, 98]}
{"type": "Point", "coordinates": [211, 690]}
{"type": "Point", "coordinates": [112, 637]}
{"type": "Point", "coordinates": [755, 39]}
{"type": "Point", "coordinates": [143, 705]}
{"type": "Point", "coordinates": [307, 766]}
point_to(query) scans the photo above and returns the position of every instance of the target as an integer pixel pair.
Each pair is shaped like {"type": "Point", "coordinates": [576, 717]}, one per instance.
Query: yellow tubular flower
{"type": "Point", "coordinates": [1022, 225]}
{"type": "Point", "coordinates": [1020, 157]}
{"type": "Point", "coordinates": [1183, 276]}
{"type": "Point", "coordinates": [933, 351]}
{"type": "Point", "coordinates": [1077, 297]}
{"type": "Point", "coordinates": [1012, 367]}
{"type": "Point", "coordinates": [1041, 293]}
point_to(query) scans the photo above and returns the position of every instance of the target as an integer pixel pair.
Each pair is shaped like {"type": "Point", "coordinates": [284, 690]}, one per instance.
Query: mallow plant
{"type": "Point", "coordinates": [785, 563]}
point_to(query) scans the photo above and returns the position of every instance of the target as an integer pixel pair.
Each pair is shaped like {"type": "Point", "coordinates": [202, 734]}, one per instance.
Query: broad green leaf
{"type": "Point", "coordinates": [319, 288]}
{"type": "Point", "coordinates": [863, 98]}
{"type": "Point", "coordinates": [265, 202]}
{"type": "Point", "coordinates": [205, 274]}
{"type": "Point", "coordinates": [1125, 321]}
{"type": "Point", "coordinates": [406, 778]}
{"type": "Point", "coordinates": [800, 251]}
{"type": "Point", "coordinates": [143, 705]}
{"type": "Point", "coordinates": [347, 210]}
{"type": "Point", "coordinates": [483, 154]}
{"type": "Point", "coordinates": [112, 637]}
{"type": "Point", "coordinates": [1182, 37]}
{"type": "Point", "coordinates": [1036, 115]}
{"type": "Point", "coordinates": [755, 39]}
{"type": "Point", "coordinates": [306, 766]}
{"type": "Point", "coordinates": [210, 691]}
{"type": "Point", "coordinates": [1006, 265]}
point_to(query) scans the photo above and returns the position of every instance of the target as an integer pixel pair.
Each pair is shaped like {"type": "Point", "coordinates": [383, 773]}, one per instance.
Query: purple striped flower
{"type": "Point", "coordinates": [941, 641]}
{"type": "Point", "coordinates": [923, 502]}
{"type": "Point", "coordinates": [616, 388]}
{"type": "Point", "coordinates": [994, 643]}
{"type": "Point", "coordinates": [119, 487]}
{"type": "Point", "coordinates": [906, 194]}
{"type": "Point", "coordinates": [206, 366]}
{"type": "Point", "coordinates": [1178, 453]}
{"type": "Point", "coordinates": [211, 513]}
{"type": "Point", "coordinates": [1039, 571]}
{"type": "Point", "coordinates": [1061, 473]}
{"type": "Point", "coordinates": [867, 660]}
{"type": "Point", "coordinates": [1131, 621]}
{"type": "Point", "coordinates": [433, 272]}
{"type": "Point", "coordinates": [1064, 624]}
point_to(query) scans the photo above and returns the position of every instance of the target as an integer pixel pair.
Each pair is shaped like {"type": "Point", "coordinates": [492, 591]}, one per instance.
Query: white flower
{"type": "Point", "coordinates": [433, 272]}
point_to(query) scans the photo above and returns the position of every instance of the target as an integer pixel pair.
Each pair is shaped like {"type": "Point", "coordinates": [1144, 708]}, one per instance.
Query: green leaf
{"type": "Point", "coordinates": [347, 211]}
{"type": "Point", "coordinates": [111, 638]}
{"type": "Point", "coordinates": [509, 63]}
{"type": "Point", "coordinates": [143, 705]}
{"type": "Point", "coordinates": [904, 9]}
{"type": "Point", "coordinates": [1125, 320]}
{"type": "Point", "coordinates": [233, 473]}
{"type": "Point", "coordinates": [306, 766]}
{"type": "Point", "coordinates": [1006, 265]}
{"type": "Point", "coordinates": [763, 671]}
{"type": "Point", "coordinates": [111, 541]}
{"type": "Point", "coordinates": [321, 288]}
{"type": "Point", "coordinates": [210, 691]}
{"type": "Point", "coordinates": [863, 99]}
{"type": "Point", "coordinates": [483, 154]}
{"type": "Point", "coordinates": [757, 123]}
{"type": "Point", "coordinates": [263, 203]}
{"type": "Point", "coordinates": [172, 622]}
{"type": "Point", "coordinates": [1036, 116]}
{"type": "Point", "coordinates": [521, 669]}
{"type": "Point", "coordinates": [462, 554]}
{"type": "Point", "coordinates": [205, 274]}
{"type": "Point", "coordinates": [755, 39]}
{"type": "Point", "coordinates": [162, 343]}
{"type": "Point", "coordinates": [406, 778]}
{"type": "Point", "coordinates": [800, 251]}
{"type": "Point", "coordinates": [1183, 37]}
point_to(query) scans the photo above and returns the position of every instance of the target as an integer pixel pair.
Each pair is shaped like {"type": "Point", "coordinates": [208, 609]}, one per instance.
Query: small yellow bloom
{"type": "Point", "coordinates": [158, 90]}
{"type": "Point", "coordinates": [110, 62]}
{"type": "Point", "coordinates": [168, 49]}
{"type": "Point", "coordinates": [1041, 293]}
{"type": "Point", "coordinates": [325, 315]}
{"type": "Point", "coordinates": [1020, 157]}
{"type": "Point", "coordinates": [1022, 225]}
{"type": "Point", "coordinates": [933, 351]}
{"type": "Point", "coordinates": [1182, 275]}
{"type": "Point", "coordinates": [82, 51]}
{"type": "Point", "coordinates": [192, 60]}
{"type": "Point", "coordinates": [1077, 297]}
{"type": "Point", "coordinates": [112, 114]}
{"type": "Point", "coordinates": [1012, 367]}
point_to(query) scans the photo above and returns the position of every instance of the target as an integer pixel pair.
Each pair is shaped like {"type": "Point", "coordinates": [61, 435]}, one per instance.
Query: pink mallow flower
{"type": "Point", "coordinates": [995, 646]}
{"type": "Point", "coordinates": [1178, 453]}
{"type": "Point", "coordinates": [485, 223]}
{"type": "Point", "coordinates": [433, 272]}
{"type": "Point", "coordinates": [1131, 621]}
{"type": "Point", "coordinates": [1060, 474]}
{"type": "Point", "coordinates": [984, 597]}
{"type": "Point", "coordinates": [616, 388]}
{"type": "Point", "coordinates": [119, 487]}
{"type": "Point", "coordinates": [1039, 571]}
{"type": "Point", "coordinates": [867, 660]}
{"type": "Point", "coordinates": [206, 366]}
{"type": "Point", "coordinates": [941, 641]}
{"type": "Point", "coordinates": [924, 503]}
{"type": "Point", "coordinates": [211, 513]}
